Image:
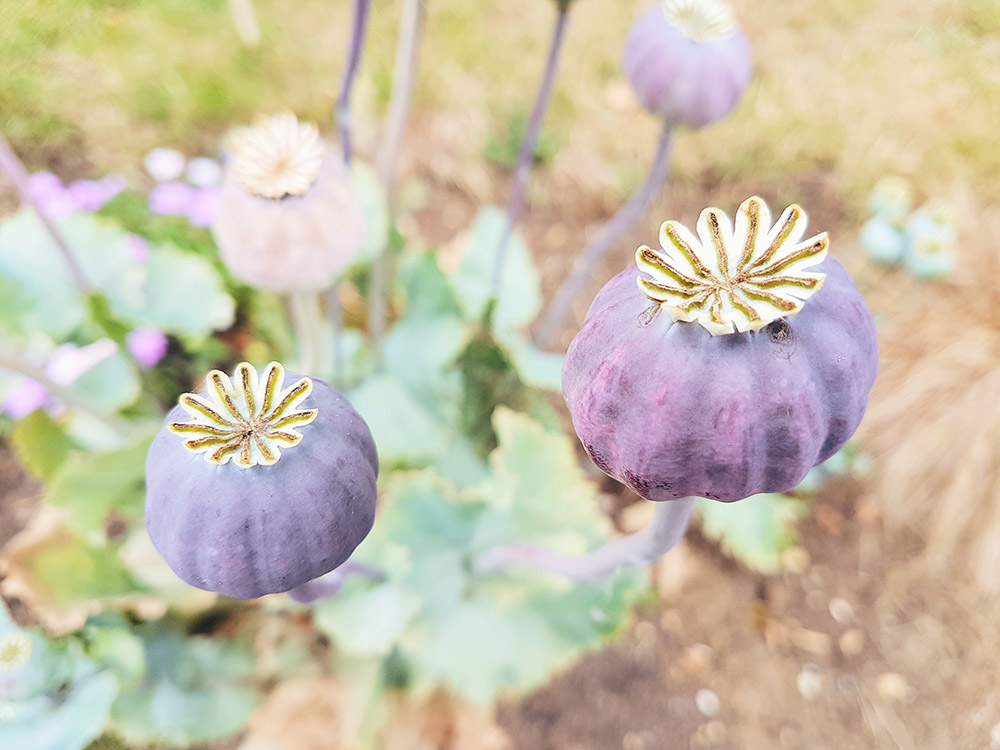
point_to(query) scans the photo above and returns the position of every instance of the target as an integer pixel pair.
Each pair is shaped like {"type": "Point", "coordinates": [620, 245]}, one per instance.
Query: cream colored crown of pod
{"type": "Point", "coordinates": [701, 20]}
{"type": "Point", "coordinates": [15, 650]}
{"type": "Point", "coordinates": [245, 418]}
{"type": "Point", "coordinates": [277, 156]}
{"type": "Point", "coordinates": [734, 278]}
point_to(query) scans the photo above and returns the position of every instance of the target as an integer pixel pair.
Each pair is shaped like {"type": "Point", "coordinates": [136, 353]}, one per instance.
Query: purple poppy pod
{"type": "Point", "coordinates": [688, 61]}
{"type": "Point", "coordinates": [720, 366]}
{"type": "Point", "coordinates": [256, 488]}
{"type": "Point", "coordinates": [289, 218]}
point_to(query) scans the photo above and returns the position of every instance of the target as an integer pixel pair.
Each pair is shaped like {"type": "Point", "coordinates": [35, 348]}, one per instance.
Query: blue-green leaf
{"type": "Point", "coordinates": [519, 296]}
{"type": "Point", "coordinates": [405, 432]}
{"type": "Point", "coordinates": [756, 530]}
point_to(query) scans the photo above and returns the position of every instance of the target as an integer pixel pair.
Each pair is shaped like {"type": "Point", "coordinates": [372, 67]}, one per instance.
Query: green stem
{"type": "Point", "coordinates": [336, 308]}
{"type": "Point", "coordinates": [315, 355]}
{"type": "Point", "coordinates": [245, 21]}
{"type": "Point", "coordinates": [404, 81]}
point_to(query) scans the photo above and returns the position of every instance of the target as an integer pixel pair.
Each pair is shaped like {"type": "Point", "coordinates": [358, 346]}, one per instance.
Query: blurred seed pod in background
{"type": "Point", "coordinates": [892, 199]}
{"type": "Point", "coordinates": [883, 241]}
{"type": "Point", "coordinates": [688, 61]}
{"type": "Point", "coordinates": [289, 218]}
{"type": "Point", "coordinates": [930, 241]}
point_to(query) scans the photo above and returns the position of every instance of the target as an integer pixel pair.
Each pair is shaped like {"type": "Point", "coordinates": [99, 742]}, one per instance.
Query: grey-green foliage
{"type": "Point", "coordinates": [415, 407]}
{"type": "Point", "coordinates": [195, 689]}
{"type": "Point", "coordinates": [177, 292]}
{"type": "Point", "coordinates": [482, 635]}
{"type": "Point", "coordinates": [58, 699]}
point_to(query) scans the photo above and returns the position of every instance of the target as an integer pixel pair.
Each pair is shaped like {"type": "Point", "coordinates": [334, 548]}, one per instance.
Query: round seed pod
{"type": "Point", "coordinates": [289, 217]}
{"type": "Point", "coordinates": [720, 367]}
{"type": "Point", "coordinates": [688, 61]}
{"type": "Point", "coordinates": [255, 488]}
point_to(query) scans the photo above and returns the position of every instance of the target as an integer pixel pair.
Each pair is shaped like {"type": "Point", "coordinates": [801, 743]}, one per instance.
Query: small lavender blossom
{"type": "Point", "coordinates": [171, 198]}
{"type": "Point", "coordinates": [204, 206]}
{"type": "Point", "coordinates": [24, 397]}
{"type": "Point", "coordinates": [70, 361]}
{"type": "Point", "coordinates": [164, 164]}
{"type": "Point", "coordinates": [138, 248]}
{"type": "Point", "coordinates": [52, 197]}
{"type": "Point", "coordinates": [64, 366]}
{"type": "Point", "coordinates": [147, 345]}
{"type": "Point", "coordinates": [90, 195]}
{"type": "Point", "coordinates": [203, 172]}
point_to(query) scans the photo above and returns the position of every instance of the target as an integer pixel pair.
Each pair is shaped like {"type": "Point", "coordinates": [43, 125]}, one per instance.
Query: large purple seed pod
{"type": "Point", "coordinates": [289, 218]}
{"type": "Point", "coordinates": [687, 61]}
{"type": "Point", "coordinates": [719, 367]}
{"type": "Point", "coordinates": [240, 501]}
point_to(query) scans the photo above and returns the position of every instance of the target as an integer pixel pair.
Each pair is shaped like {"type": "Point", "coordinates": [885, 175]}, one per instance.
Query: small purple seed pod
{"type": "Point", "coordinates": [255, 488]}
{"type": "Point", "coordinates": [289, 217]}
{"type": "Point", "coordinates": [721, 367]}
{"type": "Point", "coordinates": [688, 61]}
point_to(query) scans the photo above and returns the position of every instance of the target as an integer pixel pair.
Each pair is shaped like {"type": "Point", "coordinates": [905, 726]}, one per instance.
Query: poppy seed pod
{"type": "Point", "coordinates": [253, 488]}
{"type": "Point", "coordinates": [688, 61]}
{"type": "Point", "coordinates": [289, 217]}
{"type": "Point", "coordinates": [721, 367]}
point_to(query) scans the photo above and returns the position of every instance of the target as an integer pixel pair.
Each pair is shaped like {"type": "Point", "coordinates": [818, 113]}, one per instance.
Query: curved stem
{"type": "Point", "coordinates": [404, 81]}
{"type": "Point", "coordinates": [314, 349]}
{"type": "Point", "coordinates": [637, 550]}
{"type": "Point", "coordinates": [245, 21]}
{"type": "Point", "coordinates": [336, 307]}
{"type": "Point", "coordinates": [343, 108]}
{"type": "Point", "coordinates": [405, 78]}
{"type": "Point", "coordinates": [14, 169]}
{"type": "Point", "coordinates": [330, 584]}
{"type": "Point", "coordinates": [528, 147]}
{"type": "Point", "coordinates": [67, 395]}
{"type": "Point", "coordinates": [553, 316]}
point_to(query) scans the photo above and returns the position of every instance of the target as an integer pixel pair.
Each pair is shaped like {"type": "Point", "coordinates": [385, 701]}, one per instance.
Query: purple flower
{"type": "Point", "coordinates": [203, 172]}
{"type": "Point", "coordinates": [47, 190]}
{"type": "Point", "coordinates": [26, 396]}
{"type": "Point", "coordinates": [171, 198]}
{"type": "Point", "coordinates": [90, 195]}
{"type": "Point", "coordinates": [147, 345]}
{"type": "Point", "coordinates": [138, 248]}
{"type": "Point", "coordinates": [64, 366]}
{"type": "Point", "coordinates": [70, 361]}
{"type": "Point", "coordinates": [205, 206]}
{"type": "Point", "coordinates": [164, 164]}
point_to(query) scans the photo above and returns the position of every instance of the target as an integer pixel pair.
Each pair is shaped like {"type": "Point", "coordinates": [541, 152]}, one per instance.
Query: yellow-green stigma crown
{"type": "Point", "coordinates": [730, 278]}
{"type": "Point", "coordinates": [245, 418]}
{"type": "Point", "coordinates": [701, 20]}
{"type": "Point", "coordinates": [15, 650]}
{"type": "Point", "coordinates": [276, 157]}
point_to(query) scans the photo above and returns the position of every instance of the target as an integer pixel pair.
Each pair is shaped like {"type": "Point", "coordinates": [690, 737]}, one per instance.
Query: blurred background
{"type": "Point", "coordinates": [879, 626]}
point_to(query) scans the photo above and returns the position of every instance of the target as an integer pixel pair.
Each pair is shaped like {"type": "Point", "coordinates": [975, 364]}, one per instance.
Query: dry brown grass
{"type": "Point", "coordinates": [934, 420]}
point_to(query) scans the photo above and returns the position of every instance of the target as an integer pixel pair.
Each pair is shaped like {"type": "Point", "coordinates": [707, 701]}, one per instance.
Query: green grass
{"type": "Point", "coordinates": [858, 88]}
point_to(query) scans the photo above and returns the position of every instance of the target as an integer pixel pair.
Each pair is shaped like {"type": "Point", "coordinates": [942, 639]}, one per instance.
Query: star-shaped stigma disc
{"type": "Point", "coordinates": [245, 418]}
{"type": "Point", "coordinates": [734, 278]}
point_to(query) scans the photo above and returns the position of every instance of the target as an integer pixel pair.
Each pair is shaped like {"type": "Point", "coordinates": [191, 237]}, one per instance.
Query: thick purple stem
{"type": "Point", "coordinates": [528, 146]}
{"type": "Point", "coordinates": [330, 584]}
{"type": "Point", "coordinates": [14, 169]}
{"type": "Point", "coordinates": [592, 254]}
{"type": "Point", "coordinates": [635, 551]}
{"type": "Point", "coordinates": [404, 79]}
{"type": "Point", "coordinates": [343, 110]}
